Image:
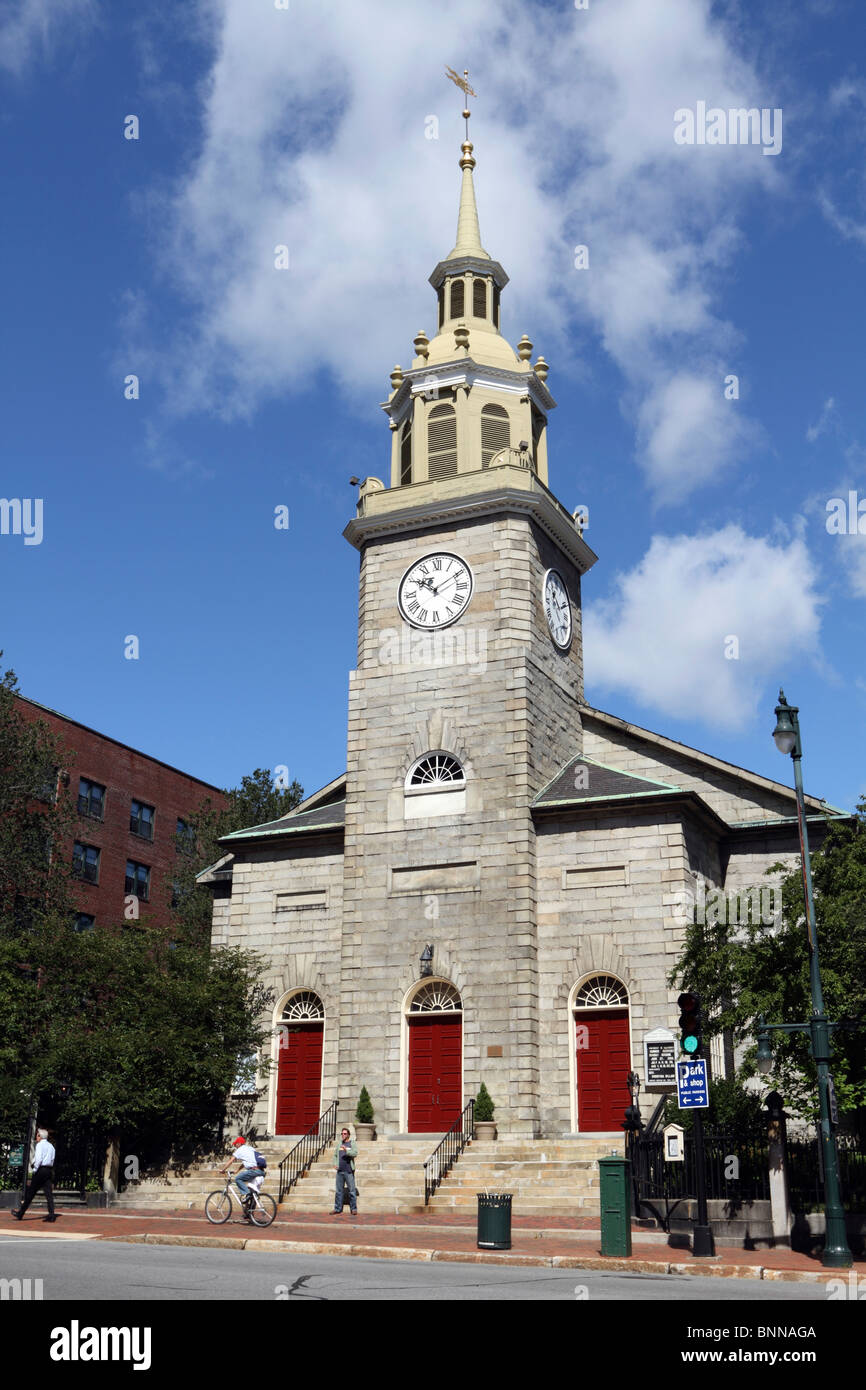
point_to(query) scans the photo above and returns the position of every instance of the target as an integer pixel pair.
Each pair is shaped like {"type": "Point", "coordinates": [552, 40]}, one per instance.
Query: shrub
{"type": "Point", "coordinates": [364, 1110]}
{"type": "Point", "coordinates": [484, 1106]}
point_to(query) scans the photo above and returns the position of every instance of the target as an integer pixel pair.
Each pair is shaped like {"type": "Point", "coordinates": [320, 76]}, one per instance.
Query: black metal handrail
{"type": "Point", "coordinates": [448, 1150]}
{"type": "Point", "coordinates": [307, 1149]}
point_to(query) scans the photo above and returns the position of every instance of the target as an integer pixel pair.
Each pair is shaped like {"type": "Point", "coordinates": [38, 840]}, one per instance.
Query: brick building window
{"type": "Point", "coordinates": [83, 921]}
{"type": "Point", "coordinates": [85, 862]}
{"type": "Point", "coordinates": [184, 835]}
{"type": "Point", "coordinates": [91, 799]}
{"type": "Point", "coordinates": [141, 820]}
{"type": "Point", "coordinates": [137, 880]}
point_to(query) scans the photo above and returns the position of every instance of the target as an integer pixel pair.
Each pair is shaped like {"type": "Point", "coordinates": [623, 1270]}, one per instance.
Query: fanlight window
{"type": "Point", "coordinates": [436, 772]}
{"type": "Point", "coordinates": [305, 1007]}
{"type": "Point", "coordinates": [601, 992]}
{"type": "Point", "coordinates": [437, 997]}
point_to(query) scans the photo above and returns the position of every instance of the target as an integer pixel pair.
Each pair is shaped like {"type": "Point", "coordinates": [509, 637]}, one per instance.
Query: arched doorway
{"type": "Point", "coordinates": [434, 1070]}
{"type": "Point", "coordinates": [601, 1047]}
{"type": "Point", "coordinates": [300, 1035]}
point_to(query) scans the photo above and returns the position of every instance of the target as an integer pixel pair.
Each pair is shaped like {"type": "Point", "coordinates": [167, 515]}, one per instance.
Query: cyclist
{"type": "Point", "coordinates": [245, 1155]}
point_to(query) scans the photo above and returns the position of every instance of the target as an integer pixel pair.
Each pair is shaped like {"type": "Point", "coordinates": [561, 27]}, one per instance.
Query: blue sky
{"type": "Point", "coordinates": [260, 387]}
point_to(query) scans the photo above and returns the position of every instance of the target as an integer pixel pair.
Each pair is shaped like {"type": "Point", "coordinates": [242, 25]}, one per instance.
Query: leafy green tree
{"type": "Point", "coordinates": [34, 820]}
{"type": "Point", "coordinates": [742, 972]}
{"type": "Point", "coordinates": [150, 1027]}
{"type": "Point", "coordinates": [731, 1108]}
{"type": "Point", "coordinates": [147, 1031]}
{"type": "Point", "coordinates": [255, 802]}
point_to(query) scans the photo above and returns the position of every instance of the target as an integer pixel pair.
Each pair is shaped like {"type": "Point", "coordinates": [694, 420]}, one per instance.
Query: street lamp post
{"type": "Point", "coordinates": [837, 1255]}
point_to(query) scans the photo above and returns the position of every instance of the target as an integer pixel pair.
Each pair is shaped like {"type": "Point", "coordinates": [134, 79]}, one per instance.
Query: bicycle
{"type": "Point", "coordinates": [260, 1207]}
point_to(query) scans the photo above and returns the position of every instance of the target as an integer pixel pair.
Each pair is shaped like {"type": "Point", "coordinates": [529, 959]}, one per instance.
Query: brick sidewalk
{"type": "Point", "coordinates": [558, 1242]}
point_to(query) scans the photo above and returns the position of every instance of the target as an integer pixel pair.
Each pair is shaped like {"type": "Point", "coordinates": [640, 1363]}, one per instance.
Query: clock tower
{"type": "Point", "coordinates": [464, 704]}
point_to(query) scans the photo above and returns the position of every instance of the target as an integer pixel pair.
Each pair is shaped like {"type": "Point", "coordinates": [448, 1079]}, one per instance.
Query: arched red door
{"type": "Point", "coordinates": [603, 1063]}
{"type": "Point", "coordinates": [435, 1072]}
{"type": "Point", "coordinates": [299, 1079]}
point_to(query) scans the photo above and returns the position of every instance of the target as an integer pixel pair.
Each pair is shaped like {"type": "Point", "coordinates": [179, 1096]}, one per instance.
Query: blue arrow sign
{"type": "Point", "coordinates": [692, 1085]}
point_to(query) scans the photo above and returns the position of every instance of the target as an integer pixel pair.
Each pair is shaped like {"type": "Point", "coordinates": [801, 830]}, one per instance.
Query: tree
{"type": "Point", "coordinates": [149, 1026]}
{"type": "Point", "coordinates": [255, 802]}
{"type": "Point", "coordinates": [484, 1106]}
{"type": "Point", "coordinates": [742, 972]}
{"type": "Point", "coordinates": [34, 819]}
{"type": "Point", "coordinates": [147, 1031]}
{"type": "Point", "coordinates": [364, 1108]}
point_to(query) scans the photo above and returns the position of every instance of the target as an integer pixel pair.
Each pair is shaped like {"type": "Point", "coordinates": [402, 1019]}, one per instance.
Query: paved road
{"type": "Point", "coordinates": [97, 1270]}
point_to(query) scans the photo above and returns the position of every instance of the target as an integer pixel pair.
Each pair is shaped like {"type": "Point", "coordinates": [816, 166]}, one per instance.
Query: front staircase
{"type": "Point", "coordinates": [187, 1189]}
{"type": "Point", "coordinates": [547, 1177]}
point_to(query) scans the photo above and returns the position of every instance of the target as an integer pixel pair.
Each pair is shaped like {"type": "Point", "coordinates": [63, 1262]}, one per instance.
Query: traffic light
{"type": "Point", "coordinates": [690, 1023]}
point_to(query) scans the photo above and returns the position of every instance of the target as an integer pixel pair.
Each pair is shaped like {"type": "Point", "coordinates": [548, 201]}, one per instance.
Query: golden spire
{"type": "Point", "coordinates": [468, 231]}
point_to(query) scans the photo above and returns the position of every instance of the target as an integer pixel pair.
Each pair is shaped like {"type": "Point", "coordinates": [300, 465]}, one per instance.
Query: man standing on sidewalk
{"type": "Point", "coordinates": [43, 1177]}
{"type": "Point", "coordinates": [344, 1161]}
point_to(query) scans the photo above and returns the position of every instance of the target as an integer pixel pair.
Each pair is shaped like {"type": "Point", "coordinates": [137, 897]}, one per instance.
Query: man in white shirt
{"type": "Point", "coordinates": [245, 1155]}
{"type": "Point", "coordinates": [43, 1177]}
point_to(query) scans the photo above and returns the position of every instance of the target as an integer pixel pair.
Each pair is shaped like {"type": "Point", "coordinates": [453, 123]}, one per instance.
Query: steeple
{"type": "Point", "coordinates": [469, 403]}
{"type": "Point", "coordinates": [468, 241]}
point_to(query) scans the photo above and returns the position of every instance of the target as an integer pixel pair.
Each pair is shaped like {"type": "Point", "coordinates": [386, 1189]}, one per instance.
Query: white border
{"type": "Point", "coordinates": [435, 555]}
{"type": "Point", "coordinates": [274, 1077]}
{"type": "Point", "coordinates": [572, 1042]}
{"type": "Point", "coordinates": [404, 1043]}
{"type": "Point", "coordinates": [559, 646]}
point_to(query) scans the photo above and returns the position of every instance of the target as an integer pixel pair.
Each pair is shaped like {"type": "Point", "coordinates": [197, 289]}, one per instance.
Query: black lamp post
{"type": "Point", "coordinates": [836, 1252]}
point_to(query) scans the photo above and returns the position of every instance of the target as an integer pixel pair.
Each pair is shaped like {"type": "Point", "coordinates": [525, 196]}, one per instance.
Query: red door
{"type": "Point", "coordinates": [299, 1081]}
{"type": "Point", "coordinates": [435, 1066]}
{"type": "Point", "coordinates": [603, 1062]}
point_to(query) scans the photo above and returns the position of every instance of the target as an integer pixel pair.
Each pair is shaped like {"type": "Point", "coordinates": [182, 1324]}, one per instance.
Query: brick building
{"type": "Point", "coordinates": [131, 811]}
{"type": "Point", "coordinates": [497, 888]}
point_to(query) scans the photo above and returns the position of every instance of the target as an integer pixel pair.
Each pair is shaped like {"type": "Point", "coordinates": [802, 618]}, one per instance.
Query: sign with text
{"type": "Point", "coordinates": [660, 1058]}
{"type": "Point", "coordinates": [692, 1087]}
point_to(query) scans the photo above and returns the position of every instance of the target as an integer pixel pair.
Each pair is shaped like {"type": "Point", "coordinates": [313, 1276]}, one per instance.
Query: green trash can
{"type": "Point", "coordinates": [615, 1183]}
{"type": "Point", "coordinates": [494, 1220]}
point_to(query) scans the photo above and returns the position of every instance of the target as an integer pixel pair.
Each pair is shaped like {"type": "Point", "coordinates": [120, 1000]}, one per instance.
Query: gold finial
{"type": "Point", "coordinates": [463, 84]}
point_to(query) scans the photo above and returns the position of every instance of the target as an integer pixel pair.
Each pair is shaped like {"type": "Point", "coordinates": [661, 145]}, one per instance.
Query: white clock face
{"type": "Point", "coordinates": [436, 590]}
{"type": "Point", "coordinates": [557, 608]}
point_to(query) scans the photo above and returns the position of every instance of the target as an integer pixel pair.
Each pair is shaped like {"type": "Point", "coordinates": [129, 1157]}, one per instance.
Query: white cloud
{"type": "Point", "coordinates": [313, 136]}
{"type": "Point", "coordinates": [31, 27]}
{"type": "Point", "coordinates": [690, 432]}
{"type": "Point", "coordinates": [662, 637]}
{"type": "Point", "coordinates": [846, 226]}
{"type": "Point", "coordinates": [828, 420]}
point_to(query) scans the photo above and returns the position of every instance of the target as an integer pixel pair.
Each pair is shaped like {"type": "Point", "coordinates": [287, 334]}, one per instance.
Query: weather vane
{"type": "Point", "coordinates": [463, 84]}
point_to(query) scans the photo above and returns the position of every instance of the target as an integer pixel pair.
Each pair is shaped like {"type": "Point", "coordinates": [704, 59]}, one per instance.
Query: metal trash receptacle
{"type": "Point", "coordinates": [494, 1220]}
{"type": "Point", "coordinates": [615, 1185]}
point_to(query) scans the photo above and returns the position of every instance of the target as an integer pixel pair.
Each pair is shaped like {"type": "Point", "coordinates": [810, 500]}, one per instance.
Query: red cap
{"type": "Point", "coordinates": [240, 1140]}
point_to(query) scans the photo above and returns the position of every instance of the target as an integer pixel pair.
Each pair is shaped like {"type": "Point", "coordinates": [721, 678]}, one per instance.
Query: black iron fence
{"type": "Point", "coordinates": [737, 1169]}
{"type": "Point", "coordinates": [806, 1177]}
{"type": "Point", "coordinates": [78, 1163]}
{"type": "Point", "coordinates": [308, 1148]}
{"type": "Point", "coordinates": [448, 1150]}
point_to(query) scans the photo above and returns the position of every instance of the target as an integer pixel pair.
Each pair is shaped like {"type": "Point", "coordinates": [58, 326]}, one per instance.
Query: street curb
{"type": "Point", "coordinates": [503, 1258]}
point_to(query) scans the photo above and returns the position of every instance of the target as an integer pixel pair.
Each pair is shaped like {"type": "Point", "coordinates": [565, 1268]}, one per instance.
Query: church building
{"type": "Point", "coordinates": [496, 889]}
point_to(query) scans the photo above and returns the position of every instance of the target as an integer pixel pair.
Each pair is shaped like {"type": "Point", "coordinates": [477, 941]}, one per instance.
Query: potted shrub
{"type": "Point", "coordinates": [485, 1127]}
{"type": "Point", "coordinates": [365, 1130]}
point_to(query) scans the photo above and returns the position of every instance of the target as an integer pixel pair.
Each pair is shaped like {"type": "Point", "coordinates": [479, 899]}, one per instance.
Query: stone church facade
{"type": "Point", "coordinates": [497, 887]}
